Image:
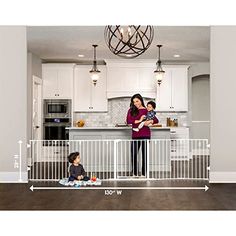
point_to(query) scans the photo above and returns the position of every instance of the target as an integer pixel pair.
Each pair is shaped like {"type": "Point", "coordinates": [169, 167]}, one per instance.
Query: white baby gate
{"type": "Point", "coordinates": [157, 159]}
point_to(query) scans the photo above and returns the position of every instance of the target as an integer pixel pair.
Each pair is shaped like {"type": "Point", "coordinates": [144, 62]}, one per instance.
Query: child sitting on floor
{"type": "Point", "coordinates": [150, 115]}
{"type": "Point", "coordinates": [76, 170]}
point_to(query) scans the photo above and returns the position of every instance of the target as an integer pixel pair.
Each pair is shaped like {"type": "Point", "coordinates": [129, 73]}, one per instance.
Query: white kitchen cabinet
{"type": "Point", "coordinates": [180, 143]}
{"type": "Point", "coordinates": [163, 100]}
{"type": "Point", "coordinates": [52, 153]}
{"type": "Point", "coordinates": [180, 89]}
{"type": "Point", "coordinates": [172, 94]}
{"type": "Point", "coordinates": [57, 81]}
{"type": "Point", "coordinates": [87, 97]}
{"type": "Point", "coordinates": [125, 79]}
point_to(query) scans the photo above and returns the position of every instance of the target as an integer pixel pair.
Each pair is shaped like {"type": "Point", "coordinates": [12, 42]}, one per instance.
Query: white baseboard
{"type": "Point", "coordinates": [13, 177]}
{"type": "Point", "coordinates": [222, 177]}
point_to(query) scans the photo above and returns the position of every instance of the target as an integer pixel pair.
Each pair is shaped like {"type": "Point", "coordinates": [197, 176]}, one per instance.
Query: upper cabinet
{"type": "Point", "coordinates": [117, 79]}
{"type": "Point", "coordinates": [57, 81]}
{"type": "Point", "coordinates": [125, 79]}
{"type": "Point", "coordinates": [172, 94]}
{"type": "Point", "coordinates": [87, 97]}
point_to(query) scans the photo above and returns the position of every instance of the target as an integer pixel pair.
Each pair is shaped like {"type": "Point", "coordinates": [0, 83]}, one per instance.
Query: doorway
{"type": "Point", "coordinates": [37, 108]}
{"type": "Point", "coordinates": [201, 107]}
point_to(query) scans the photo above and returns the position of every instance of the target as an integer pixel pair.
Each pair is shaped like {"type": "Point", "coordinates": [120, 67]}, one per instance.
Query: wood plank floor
{"type": "Point", "coordinates": [218, 197]}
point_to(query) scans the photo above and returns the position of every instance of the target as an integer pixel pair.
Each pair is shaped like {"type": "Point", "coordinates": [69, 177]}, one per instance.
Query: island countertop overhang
{"type": "Point", "coordinates": [112, 133]}
{"type": "Point", "coordinates": [114, 128]}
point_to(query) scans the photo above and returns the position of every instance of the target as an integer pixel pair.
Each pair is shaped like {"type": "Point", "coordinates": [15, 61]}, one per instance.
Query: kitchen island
{"type": "Point", "coordinates": [108, 149]}
{"type": "Point", "coordinates": [112, 133]}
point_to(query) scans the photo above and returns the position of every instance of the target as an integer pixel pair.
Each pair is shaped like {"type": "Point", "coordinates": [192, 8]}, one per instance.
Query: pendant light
{"type": "Point", "coordinates": [159, 72]}
{"type": "Point", "coordinates": [94, 73]}
{"type": "Point", "coordinates": [128, 41]}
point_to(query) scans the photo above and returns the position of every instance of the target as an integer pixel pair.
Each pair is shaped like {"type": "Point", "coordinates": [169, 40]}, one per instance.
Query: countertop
{"type": "Point", "coordinates": [112, 128]}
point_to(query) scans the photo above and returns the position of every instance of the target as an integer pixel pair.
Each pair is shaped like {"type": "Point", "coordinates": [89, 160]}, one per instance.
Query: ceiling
{"type": "Point", "coordinates": [64, 43]}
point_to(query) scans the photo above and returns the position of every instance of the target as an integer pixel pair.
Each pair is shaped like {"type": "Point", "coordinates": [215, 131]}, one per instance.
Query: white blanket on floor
{"type": "Point", "coordinates": [76, 183]}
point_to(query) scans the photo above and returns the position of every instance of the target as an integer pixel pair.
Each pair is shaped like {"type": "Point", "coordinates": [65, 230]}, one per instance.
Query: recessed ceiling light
{"type": "Point", "coordinates": [80, 55]}
{"type": "Point", "coordinates": [176, 55]}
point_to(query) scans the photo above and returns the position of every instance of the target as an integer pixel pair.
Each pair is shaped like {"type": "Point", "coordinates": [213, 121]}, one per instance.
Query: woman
{"type": "Point", "coordinates": [135, 116]}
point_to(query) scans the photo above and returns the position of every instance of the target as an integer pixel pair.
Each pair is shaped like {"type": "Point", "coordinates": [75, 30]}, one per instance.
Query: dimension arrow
{"type": "Point", "coordinates": [32, 188]}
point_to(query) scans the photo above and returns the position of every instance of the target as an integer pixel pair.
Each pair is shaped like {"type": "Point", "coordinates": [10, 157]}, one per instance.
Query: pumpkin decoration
{"type": "Point", "coordinates": [80, 123]}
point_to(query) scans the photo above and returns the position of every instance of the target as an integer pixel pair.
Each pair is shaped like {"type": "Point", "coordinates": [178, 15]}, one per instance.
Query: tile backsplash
{"type": "Point", "coordinates": [117, 111]}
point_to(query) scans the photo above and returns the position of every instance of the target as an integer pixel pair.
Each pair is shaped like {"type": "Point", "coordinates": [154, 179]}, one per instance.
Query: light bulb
{"type": "Point", "coordinates": [122, 31]}
{"type": "Point", "coordinates": [95, 76]}
{"type": "Point", "coordinates": [129, 32]}
{"type": "Point", "coordinates": [159, 75]}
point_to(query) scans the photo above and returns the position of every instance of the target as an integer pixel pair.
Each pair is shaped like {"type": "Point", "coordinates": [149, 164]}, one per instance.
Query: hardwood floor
{"type": "Point", "coordinates": [218, 197]}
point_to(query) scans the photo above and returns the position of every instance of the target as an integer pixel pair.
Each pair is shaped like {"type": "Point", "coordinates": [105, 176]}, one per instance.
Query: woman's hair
{"type": "Point", "coordinates": [133, 109]}
{"type": "Point", "coordinates": [73, 156]}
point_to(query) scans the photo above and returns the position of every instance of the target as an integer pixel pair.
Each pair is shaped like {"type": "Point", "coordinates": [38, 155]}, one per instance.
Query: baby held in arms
{"type": "Point", "coordinates": [150, 115]}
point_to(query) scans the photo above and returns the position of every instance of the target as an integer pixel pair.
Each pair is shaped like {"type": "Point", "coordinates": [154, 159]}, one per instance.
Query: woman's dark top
{"type": "Point", "coordinates": [145, 131]}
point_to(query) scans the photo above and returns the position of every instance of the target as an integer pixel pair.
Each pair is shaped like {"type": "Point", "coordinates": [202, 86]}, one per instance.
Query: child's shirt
{"type": "Point", "coordinates": [151, 115]}
{"type": "Point", "coordinates": [76, 171]}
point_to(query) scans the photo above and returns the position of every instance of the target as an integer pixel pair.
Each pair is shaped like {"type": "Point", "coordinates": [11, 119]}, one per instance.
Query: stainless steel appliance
{"type": "Point", "coordinates": [57, 108]}
{"type": "Point", "coordinates": [57, 117]}
{"type": "Point", "coordinates": [55, 128]}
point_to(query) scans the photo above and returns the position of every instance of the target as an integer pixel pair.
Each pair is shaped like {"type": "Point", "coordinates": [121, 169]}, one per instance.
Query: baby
{"type": "Point", "coordinates": [76, 170]}
{"type": "Point", "coordinates": [150, 115]}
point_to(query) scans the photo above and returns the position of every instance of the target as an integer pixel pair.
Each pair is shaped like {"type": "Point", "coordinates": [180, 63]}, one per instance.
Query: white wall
{"type": "Point", "coordinates": [223, 107]}
{"type": "Point", "coordinates": [13, 99]}
{"type": "Point", "coordinates": [200, 68]}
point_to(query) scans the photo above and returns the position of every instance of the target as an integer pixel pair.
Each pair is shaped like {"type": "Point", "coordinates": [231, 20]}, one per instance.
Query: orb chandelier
{"type": "Point", "coordinates": [159, 72]}
{"type": "Point", "coordinates": [128, 41]}
{"type": "Point", "coordinates": [94, 72]}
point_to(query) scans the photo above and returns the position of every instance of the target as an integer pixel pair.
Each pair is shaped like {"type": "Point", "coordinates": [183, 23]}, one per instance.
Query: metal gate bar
{"type": "Point", "coordinates": [157, 159]}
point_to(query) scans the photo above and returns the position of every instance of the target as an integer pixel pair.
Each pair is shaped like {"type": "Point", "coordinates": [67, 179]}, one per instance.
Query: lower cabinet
{"type": "Point", "coordinates": [180, 143]}
{"type": "Point", "coordinates": [52, 154]}
{"type": "Point", "coordinates": [98, 148]}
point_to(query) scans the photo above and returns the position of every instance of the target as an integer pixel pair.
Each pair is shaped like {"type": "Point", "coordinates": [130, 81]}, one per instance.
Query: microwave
{"type": "Point", "coordinates": [57, 108]}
